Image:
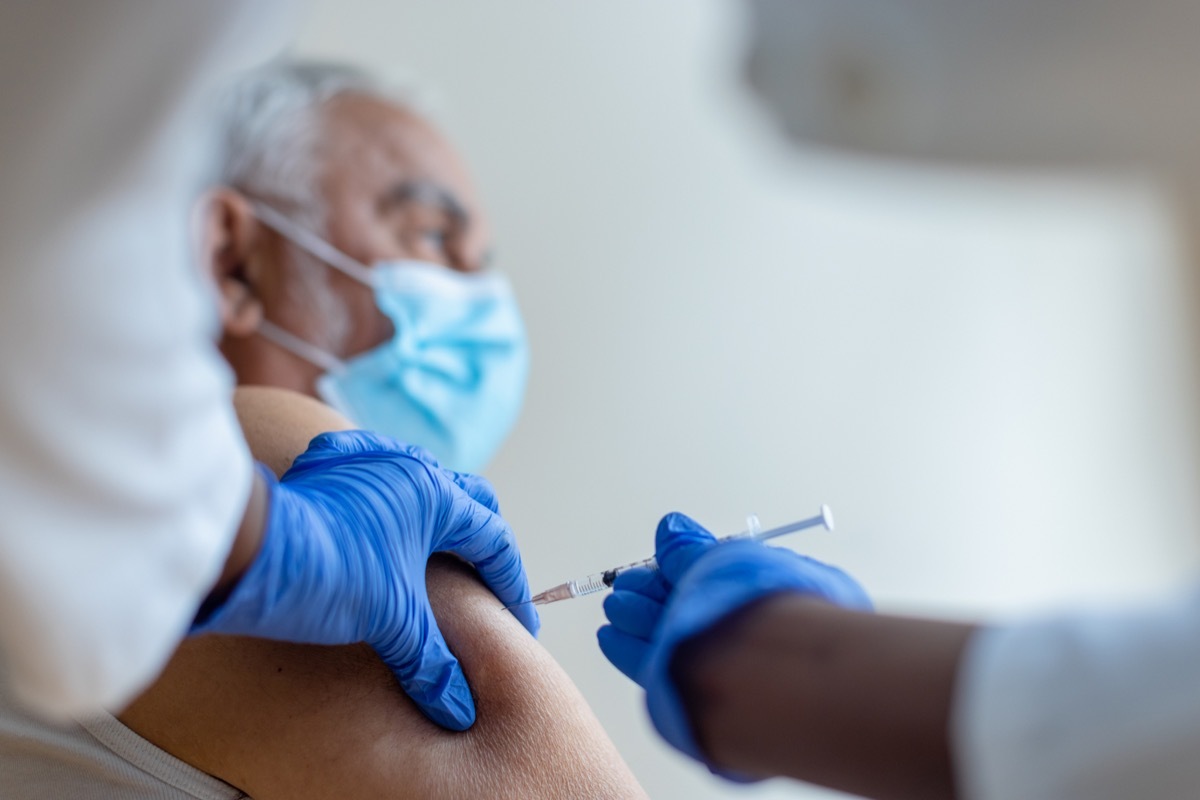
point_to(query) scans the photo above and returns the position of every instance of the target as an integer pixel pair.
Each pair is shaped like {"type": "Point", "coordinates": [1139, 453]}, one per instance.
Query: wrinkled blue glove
{"type": "Point", "coordinates": [349, 530]}
{"type": "Point", "coordinates": [698, 583]}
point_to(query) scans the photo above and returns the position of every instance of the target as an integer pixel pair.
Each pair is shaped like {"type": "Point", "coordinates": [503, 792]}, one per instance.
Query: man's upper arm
{"type": "Point", "coordinates": [280, 720]}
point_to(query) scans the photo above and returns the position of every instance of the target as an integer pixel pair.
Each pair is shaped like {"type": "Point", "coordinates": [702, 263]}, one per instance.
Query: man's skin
{"type": "Point", "coordinates": [292, 722]}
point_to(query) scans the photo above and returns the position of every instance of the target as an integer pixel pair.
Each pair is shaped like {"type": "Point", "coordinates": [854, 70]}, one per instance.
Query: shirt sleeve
{"type": "Point", "coordinates": [122, 469]}
{"type": "Point", "coordinates": [1102, 706]}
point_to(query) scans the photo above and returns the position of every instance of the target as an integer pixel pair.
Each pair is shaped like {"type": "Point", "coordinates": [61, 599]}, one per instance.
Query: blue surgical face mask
{"type": "Point", "coordinates": [451, 379]}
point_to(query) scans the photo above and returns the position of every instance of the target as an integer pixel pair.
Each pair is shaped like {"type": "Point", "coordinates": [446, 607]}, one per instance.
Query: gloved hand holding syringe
{"type": "Point", "coordinates": [599, 581]}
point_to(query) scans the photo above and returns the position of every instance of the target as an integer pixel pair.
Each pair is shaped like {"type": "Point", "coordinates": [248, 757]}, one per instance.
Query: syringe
{"type": "Point", "coordinates": [599, 581]}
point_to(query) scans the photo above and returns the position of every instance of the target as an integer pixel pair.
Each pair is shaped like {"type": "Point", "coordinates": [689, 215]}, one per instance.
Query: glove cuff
{"type": "Point", "coordinates": [664, 702]}
{"type": "Point", "coordinates": [722, 582]}
{"type": "Point", "coordinates": [269, 580]}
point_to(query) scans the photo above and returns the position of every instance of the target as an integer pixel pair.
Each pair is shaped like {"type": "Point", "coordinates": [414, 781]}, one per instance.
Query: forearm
{"type": "Point", "coordinates": [857, 702]}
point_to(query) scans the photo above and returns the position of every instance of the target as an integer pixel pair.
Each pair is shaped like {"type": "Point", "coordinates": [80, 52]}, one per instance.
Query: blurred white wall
{"type": "Point", "coordinates": [990, 380]}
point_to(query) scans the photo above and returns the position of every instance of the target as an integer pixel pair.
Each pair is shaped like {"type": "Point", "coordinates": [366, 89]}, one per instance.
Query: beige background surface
{"type": "Point", "coordinates": [989, 379]}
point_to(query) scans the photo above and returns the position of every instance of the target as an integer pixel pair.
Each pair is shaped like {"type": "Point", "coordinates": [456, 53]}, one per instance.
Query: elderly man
{"type": "Point", "coordinates": [327, 183]}
{"type": "Point", "coordinates": [351, 264]}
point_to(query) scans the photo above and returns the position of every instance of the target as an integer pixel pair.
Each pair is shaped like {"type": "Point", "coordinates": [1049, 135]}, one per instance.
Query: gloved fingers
{"type": "Point", "coordinates": [414, 450]}
{"type": "Point", "coordinates": [504, 574]}
{"type": "Point", "coordinates": [478, 488]}
{"type": "Point", "coordinates": [643, 580]}
{"type": "Point", "coordinates": [487, 542]}
{"type": "Point", "coordinates": [633, 613]}
{"type": "Point", "coordinates": [626, 653]}
{"type": "Point", "coordinates": [679, 541]}
{"type": "Point", "coordinates": [432, 677]}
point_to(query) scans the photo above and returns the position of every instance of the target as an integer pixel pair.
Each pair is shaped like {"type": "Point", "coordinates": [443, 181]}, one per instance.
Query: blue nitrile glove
{"type": "Point", "coordinates": [349, 530]}
{"type": "Point", "coordinates": [699, 582]}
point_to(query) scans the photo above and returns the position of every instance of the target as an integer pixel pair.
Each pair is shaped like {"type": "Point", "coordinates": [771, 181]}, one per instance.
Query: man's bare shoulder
{"type": "Point", "coordinates": [292, 722]}
{"type": "Point", "coordinates": [279, 720]}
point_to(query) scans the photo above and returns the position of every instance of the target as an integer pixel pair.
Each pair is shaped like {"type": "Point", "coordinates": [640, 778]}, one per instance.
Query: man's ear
{"type": "Point", "coordinates": [231, 239]}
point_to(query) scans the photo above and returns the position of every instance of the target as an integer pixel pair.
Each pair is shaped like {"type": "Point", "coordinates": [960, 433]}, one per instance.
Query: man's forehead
{"type": "Point", "coordinates": [373, 133]}
{"type": "Point", "coordinates": [379, 154]}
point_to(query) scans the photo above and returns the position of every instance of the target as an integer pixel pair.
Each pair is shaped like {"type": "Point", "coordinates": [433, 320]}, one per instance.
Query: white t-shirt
{"type": "Point", "coordinates": [1089, 706]}
{"type": "Point", "coordinates": [123, 475]}
{"type": "Point", "coordinates": [94, 758]}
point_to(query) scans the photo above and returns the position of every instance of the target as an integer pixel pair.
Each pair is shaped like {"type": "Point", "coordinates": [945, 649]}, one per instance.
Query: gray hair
{"type": "Point", "coordinates": [270, 131]}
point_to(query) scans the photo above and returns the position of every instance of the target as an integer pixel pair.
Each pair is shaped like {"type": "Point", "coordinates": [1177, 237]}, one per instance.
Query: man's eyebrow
{"type": "Point", "coordinates": [430, 194]}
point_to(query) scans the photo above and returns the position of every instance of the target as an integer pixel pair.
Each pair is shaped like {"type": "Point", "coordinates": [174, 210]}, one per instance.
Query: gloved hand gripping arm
{"type": "Point", "coordinates": [349, 529]}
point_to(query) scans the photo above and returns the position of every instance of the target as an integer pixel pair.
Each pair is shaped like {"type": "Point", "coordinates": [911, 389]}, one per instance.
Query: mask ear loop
{"type": "Point", "coordinates": [319, 248]}
{"type": "Point", "coordinates": [294, 344]}
{"type": "Point", "coordinates": [322, 250]}
{"type": "Point", "coordinates": [315, 245]}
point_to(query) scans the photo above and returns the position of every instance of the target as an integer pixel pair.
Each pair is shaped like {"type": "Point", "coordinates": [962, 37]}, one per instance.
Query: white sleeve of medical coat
{"type": "Point", "coordinates": [1096, 706]}
{"type": "Point", "coordinates": [122, 469]}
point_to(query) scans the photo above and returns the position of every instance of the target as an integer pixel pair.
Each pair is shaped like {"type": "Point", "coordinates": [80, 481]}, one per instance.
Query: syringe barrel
{"type": "Point", "coordinates": [599, 581]}
{"type": "Point", "coordinates": [590, 585]}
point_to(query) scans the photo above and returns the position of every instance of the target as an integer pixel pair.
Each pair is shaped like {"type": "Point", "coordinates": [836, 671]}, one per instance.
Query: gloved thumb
{"type": "Point", "coordinates": [680, 540]}
{"type": "Point", "coordinates": [434, 679]}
